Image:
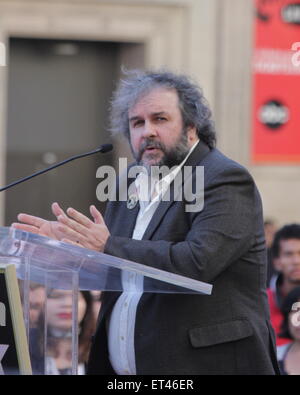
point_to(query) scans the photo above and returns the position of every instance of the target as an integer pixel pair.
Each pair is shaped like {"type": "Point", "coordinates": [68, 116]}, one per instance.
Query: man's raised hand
{"type": "Point", "coordinates": [80, 230]}
{"type": "Point", "coordinates": [71, 227]}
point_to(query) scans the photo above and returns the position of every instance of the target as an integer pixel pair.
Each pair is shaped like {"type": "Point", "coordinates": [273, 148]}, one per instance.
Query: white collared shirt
{"type": "Point", "coordinates": [122, 320]}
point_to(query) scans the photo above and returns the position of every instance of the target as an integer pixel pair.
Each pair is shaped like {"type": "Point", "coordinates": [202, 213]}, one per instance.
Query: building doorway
{"type": "Point", "coordinates": [58, 99]}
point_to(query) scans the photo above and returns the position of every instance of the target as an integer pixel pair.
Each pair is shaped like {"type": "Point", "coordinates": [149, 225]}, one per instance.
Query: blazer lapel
{"type": "Point", "coordinates": [199, 153]}
{"type": "Point", "coordinates": [120, 219]}
{"type": "Point", "coordinates": [126, 221]}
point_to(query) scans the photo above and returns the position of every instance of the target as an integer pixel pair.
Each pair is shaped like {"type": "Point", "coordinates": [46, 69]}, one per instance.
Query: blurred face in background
{"type": "Point", "coordinates": [36, 303]}
{"type": "Point", "coordinates": [59, 309]}
{"type": "Point", "coordinates": [288, 262]}
{"type": "Point", "coordinates": [294, 322]}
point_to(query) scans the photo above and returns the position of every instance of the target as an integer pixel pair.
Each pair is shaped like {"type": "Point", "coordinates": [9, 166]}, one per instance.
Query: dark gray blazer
{"type": "Point", "coordinates": [227, 332]}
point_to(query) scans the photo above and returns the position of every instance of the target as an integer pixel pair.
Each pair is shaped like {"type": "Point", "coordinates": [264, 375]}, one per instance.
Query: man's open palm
{"type": "Point", "coordinates": [40, 226]}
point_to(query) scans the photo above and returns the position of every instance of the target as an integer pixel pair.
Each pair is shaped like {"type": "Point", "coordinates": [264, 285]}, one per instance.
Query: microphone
{"type": "Point", "coordinates": [103, 149]}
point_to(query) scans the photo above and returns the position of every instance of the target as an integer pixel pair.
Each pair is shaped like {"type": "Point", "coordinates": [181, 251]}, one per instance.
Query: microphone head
{"type": "Point", "coordinates": [105, 148]}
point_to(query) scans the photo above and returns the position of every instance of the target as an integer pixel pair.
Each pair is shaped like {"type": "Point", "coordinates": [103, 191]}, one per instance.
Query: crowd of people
{"type": "Point", "coordinates": [284, 292]}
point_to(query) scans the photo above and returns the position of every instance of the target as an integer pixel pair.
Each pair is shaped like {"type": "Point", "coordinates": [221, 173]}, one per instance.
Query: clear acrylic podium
{"type": "Point", "coordinates": [51, 275]}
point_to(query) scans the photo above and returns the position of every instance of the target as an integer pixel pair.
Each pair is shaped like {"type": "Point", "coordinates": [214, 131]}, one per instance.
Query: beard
{"type": "Point", "coordinates": [172, 156]}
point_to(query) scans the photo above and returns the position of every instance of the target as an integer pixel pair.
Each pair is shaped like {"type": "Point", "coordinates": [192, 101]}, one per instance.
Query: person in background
{"type": "Point", "coordinates": [59, 334]}
{"type": "Point", "coordinates": [286, 258]}
{"type": "Point", "coordinates": [36, 302]}
{"type": "Point", "coordinates": [270, 230]}
{"type": "Point", "coordinates": [289, 354]}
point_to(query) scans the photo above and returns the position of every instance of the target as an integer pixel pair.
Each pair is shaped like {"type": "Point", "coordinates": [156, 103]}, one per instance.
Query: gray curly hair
{"type": "Point", "coordinates": [194, 107]}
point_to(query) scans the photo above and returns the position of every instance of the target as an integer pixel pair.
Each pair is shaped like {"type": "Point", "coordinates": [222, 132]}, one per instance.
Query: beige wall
{"type": "Point", "coordinates": [208, 39]}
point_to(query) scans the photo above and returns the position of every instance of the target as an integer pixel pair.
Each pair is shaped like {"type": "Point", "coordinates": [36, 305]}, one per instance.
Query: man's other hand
{"type": "Point", "coordinates": [80, 230]}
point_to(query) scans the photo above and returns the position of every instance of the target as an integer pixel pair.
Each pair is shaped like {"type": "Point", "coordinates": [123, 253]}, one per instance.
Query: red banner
{"type": "Point", "coordinates": [276, 80]}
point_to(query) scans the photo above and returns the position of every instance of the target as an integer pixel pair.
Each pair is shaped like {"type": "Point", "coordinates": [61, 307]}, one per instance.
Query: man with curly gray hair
{"type": "Point", "coordinates": [168, 123]}
{"type": "Point", "coordinates": [194, 109]}
{"type": "Point", "coordinates": [193, 105]}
